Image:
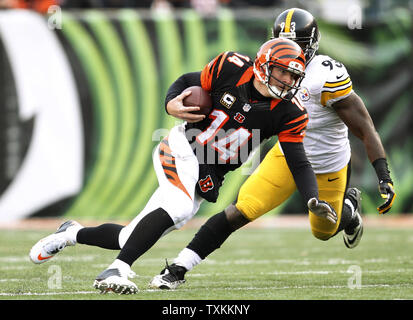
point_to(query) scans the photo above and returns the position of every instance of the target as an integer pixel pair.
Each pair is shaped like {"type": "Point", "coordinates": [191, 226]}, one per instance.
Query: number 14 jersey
{"type": "Point", "coordinates": [241, 117]}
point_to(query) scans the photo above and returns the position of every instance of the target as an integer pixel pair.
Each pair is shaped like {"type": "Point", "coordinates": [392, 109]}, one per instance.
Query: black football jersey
{"type": "Point", "coordinates": [241, 118]}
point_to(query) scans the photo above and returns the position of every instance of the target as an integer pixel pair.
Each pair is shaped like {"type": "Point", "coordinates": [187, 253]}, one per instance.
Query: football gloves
{"type": "Point", "coordinates": [387, 192]}
{"type": "Point", "coordinates": [322, 209]}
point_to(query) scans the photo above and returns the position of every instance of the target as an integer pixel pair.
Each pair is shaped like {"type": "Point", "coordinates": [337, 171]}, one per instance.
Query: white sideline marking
{"type": "Point", "coordinates": [11, 280]}
{"type": "Point", "coordinates": [217, 289]}
{"type": "Point", "coordinates": [25, 258]}
{"type": "Point", "coordinates": [45, 293]}
{"type": "Point", "coordinates": [303, 262]}
{"type": "Point", "coordinates": [201, 275]}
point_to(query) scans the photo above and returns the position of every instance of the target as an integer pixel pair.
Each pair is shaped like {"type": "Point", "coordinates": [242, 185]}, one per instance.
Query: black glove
{"type": "Point", "coordinates": [385, 184]}
{"type": "Point", "coordinates": [322, 209]}
{"type": "Point", "coordinates": [387, 192]}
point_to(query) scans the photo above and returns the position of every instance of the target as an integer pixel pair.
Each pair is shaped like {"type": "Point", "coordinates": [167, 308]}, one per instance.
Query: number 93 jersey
{"type": "Point", "coordinates": [326, 142]}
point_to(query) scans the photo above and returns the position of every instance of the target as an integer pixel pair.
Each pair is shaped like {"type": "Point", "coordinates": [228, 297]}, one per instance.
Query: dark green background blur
{"type": "Point", "coordinates": [124, 60]}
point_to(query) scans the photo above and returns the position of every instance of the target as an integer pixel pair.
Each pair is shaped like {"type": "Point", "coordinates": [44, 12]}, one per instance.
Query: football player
{"type": "Point", "coordinates": [333, 108]}
{"type": "Point", "coordinates": [252, 100]}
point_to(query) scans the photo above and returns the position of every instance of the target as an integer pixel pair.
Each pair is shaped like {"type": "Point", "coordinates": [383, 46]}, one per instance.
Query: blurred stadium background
{"type": "Point", "coordinates": [83, 84]}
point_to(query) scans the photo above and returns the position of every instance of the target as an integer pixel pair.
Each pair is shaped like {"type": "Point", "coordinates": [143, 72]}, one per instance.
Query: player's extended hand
{"type": "Point", "coordinates": [387, 192]}
{"type": "Point", "coordinates": [176, 109]}
{"type": "Point", "coordinates": [322, 209]}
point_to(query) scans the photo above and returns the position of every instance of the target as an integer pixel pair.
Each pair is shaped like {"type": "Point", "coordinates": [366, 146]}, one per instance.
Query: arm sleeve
{"type": "Point", "coordinates": [301, 170]}
{"type": "Point", "coordinates": [294, 129]}
{"type": "Point", "coordinates": [185, 81]}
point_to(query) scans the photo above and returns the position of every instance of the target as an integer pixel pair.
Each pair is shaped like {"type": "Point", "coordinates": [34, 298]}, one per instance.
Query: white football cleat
{"type": "Point", "coordinates": [116, 280]}
{"type": "Point", "coordinates": [48, 247]}
{"type": "Point", "coordinates": [170, 278]}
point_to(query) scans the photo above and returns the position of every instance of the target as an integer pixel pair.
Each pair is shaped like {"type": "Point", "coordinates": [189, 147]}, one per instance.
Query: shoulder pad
{"type": "Point", "coordinates": [223, 66]}
{"type": "Point", "coordinates": [337, 82]}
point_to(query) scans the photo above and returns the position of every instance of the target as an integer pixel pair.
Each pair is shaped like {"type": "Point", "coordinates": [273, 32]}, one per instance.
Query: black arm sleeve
{"type": "Point", "coordinates": [185, 81]}
{"type": "Point", "coordinates": [301, 170]}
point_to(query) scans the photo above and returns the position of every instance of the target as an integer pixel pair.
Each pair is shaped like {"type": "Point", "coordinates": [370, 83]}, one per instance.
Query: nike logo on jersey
{"type": "Point", "coordinates": [338, 77]}
{"type": "Point", "coordinates": [332, 179]}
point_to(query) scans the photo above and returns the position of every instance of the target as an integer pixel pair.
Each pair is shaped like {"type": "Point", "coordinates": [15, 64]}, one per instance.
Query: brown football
{"type": "Point", "coordinates": [200, 98]}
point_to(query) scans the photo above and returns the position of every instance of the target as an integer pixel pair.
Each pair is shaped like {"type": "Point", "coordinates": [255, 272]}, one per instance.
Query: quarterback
{"type": "Point", "coordinates": [333, 108]}
{"type": "Point", "coordinates": [250, 98]}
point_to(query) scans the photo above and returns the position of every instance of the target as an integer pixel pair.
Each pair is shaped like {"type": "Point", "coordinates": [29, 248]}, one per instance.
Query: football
{"type": "Point", "coordinates": [200, 98]}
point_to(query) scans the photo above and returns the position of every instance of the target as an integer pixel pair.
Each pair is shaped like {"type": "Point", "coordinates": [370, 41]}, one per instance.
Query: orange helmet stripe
{"type": "Point", "coordinates": [285, 50]}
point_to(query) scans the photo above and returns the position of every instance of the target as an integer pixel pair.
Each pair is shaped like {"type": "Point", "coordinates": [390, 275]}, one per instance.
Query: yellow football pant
{"type": "Point", "coordinates": [272, 183]}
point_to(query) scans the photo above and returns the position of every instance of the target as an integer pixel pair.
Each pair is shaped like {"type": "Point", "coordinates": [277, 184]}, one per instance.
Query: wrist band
{"type": "Point", "coordinates": [382, 170]}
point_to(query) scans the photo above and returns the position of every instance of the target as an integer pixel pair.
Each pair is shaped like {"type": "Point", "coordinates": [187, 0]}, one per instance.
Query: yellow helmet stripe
{"type": "Point", "coordinates": [288, 20]}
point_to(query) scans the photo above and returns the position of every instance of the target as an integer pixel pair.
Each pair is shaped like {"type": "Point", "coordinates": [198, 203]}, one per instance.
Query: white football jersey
{"type": "Point", "coordinates": [326, 142]}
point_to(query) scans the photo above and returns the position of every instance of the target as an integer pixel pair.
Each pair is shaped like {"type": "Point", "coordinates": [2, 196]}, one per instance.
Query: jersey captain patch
{"type": "Point", "coordinates": [227, 100]}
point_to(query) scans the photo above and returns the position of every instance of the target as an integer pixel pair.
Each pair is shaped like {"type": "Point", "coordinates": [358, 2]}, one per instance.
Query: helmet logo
{"type": "Point", "coordinates": [296, 65]}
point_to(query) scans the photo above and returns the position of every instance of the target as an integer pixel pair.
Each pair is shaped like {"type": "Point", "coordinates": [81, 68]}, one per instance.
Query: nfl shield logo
{"type": "Point", "coordinates": [246, 107]}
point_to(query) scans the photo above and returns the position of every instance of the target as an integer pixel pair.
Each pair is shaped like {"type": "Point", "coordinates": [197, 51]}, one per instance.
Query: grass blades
{"type": "Point", "coordinates": [254, 264]}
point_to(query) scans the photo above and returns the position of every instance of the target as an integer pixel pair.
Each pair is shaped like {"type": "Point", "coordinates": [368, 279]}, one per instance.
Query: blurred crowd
{"type": "Point", "coordinates": [202, 5]}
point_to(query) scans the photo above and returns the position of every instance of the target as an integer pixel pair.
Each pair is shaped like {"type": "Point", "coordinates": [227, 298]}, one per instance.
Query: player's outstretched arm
{"type": "Point", "coordinates": [305, 180]}
{"type": "Point", "coordinates": [355, 115]}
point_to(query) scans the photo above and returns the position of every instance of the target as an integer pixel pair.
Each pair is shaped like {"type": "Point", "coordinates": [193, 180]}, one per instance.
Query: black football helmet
{"type": "Point", "coordinates": [300, 26]}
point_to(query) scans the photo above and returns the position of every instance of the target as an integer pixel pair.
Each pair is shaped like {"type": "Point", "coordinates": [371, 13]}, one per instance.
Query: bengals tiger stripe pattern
{"type": "Point", "coordinates": [286, 51]}
{"type": "Point", "coordinates": [169, 166]}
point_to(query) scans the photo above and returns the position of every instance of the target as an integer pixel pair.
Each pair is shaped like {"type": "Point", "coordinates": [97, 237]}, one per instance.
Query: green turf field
{"type": "Point", "coordinates": [254, 264]}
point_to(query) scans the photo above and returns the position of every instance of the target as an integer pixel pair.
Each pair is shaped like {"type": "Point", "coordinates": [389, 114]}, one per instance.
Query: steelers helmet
{"type": "Point", "coordinates": [300, 26]}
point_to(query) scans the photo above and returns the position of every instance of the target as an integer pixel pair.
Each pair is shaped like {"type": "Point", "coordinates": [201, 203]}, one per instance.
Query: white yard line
{"type": "Point", "coordinates": [390, 286]}
{"type": "Point", "coordinates": [5, 294]}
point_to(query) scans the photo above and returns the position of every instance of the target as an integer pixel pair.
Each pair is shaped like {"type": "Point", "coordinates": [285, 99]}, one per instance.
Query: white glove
{"type": "Point", "coordinates": [322, 209]}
